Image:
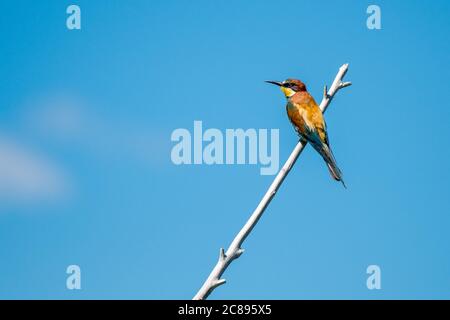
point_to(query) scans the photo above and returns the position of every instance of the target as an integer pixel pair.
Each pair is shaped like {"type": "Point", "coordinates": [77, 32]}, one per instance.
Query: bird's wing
{"type": "Point", "coordinates": [316, 126]}
{"type": "Point", "coordinates": [307, 118]}
{"type": "Point", "coordinates": [320, 126]}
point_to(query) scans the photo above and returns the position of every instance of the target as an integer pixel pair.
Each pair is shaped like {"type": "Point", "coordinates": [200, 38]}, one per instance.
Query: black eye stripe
{"type": "Point", "coordinates": [290, 85]}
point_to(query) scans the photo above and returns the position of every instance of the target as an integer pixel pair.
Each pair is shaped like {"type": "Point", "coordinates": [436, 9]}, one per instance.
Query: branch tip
{"type": "Point", "coordinates": [222, 254]}
{"type": "Point", "coordinates": [325, 92]}
{"type": "Point", "coordinates": [344, 67]}
{"type": "Point", "coordinates": [219, 282]}
{"type": "Point", "coordinates": [345, 84]}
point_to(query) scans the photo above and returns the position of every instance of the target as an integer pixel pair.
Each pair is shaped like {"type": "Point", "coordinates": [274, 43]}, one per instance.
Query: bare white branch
{"type": "Point", "coordinates": [235, 250]}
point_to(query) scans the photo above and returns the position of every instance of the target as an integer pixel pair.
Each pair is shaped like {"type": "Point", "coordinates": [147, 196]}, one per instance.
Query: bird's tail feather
{"type": "Point", "coordinates": [332, 165]}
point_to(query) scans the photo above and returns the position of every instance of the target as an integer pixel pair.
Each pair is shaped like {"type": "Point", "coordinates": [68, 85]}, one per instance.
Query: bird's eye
{"type": "Point", "coordinates": [287, 85]}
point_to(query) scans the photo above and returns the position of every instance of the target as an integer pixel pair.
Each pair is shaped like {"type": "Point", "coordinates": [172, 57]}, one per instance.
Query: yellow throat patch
{"type": "Point", "coordinates": [288, 92]}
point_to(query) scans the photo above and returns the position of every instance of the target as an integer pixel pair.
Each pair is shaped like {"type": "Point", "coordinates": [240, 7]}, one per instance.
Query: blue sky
{"type": "Point", "coordinates": [86, 176]}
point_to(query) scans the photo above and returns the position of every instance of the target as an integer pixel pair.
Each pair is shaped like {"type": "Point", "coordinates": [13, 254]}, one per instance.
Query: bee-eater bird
{"type": "Point", "coordinates": [307, 119]}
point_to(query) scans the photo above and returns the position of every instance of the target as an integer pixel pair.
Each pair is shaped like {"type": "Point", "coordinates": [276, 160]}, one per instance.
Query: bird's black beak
{"type": "Point", "coordinates": [274, 82]}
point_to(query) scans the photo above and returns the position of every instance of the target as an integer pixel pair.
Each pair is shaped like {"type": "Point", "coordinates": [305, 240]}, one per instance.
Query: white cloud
{"type": "Point", "coordinates": [27, 177]}
{"type": "Point", "coordinates": [68, 120]}
{"type": "Point", "coordinates": [60, 114]}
